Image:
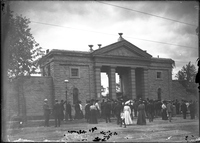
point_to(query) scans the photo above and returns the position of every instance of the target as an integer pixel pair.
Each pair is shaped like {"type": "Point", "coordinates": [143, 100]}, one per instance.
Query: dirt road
{"type": "Point", "coordinates": [162, 131]}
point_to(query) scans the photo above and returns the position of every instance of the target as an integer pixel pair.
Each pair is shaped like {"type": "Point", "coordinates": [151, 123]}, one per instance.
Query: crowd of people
{"type": "Point", "coordinates": [123, 110]}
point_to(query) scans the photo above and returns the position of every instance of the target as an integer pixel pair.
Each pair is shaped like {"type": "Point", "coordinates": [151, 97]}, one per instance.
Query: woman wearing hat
{"type": "Point", "coordinates": [127, 113]}
{"type": "Point", "coordinates": [93, 113]}
{"type": "Point", "coordinates": [141, 120]}
{"type": "Point", "coordinates": [164, 111]}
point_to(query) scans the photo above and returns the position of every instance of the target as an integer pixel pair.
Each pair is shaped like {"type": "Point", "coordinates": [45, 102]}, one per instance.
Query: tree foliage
{"type": "Point", "coordinates": [23, 50]}
{"type": "Point", "coordinates": [186, 76]}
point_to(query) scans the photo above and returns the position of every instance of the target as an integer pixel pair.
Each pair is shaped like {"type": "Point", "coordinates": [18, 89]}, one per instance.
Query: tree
{"type": "Point", "coordinates": [187, 73]}
{"type": "Point", "coordinates": [23, 50]}
{"type": "Point", "coordinates": [186, 76]}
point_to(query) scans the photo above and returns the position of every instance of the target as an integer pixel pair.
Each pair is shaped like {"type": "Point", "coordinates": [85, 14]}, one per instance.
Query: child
{"type": "Point", "coordinates": [122, 120]}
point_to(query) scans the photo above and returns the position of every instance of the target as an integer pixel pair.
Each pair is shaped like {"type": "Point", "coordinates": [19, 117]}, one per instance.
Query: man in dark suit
{"type": "Point", "coordinates": [46, 112]}
{"type": "Point", "coordinates": [57, 113]}
{"type": "Point", "coordinates": [87, 111]}
{"type": "Point", "coordinates": [118, 109]}
{"type": "Point", "coordinates": [107, 111]}
{"type": "Point", "coordinates": [169, 110]}
{"type": "Point", "coordinates": [102, 109]}
{"type": "Point", "coordinates": [184, 109]}
{"type": "Point", "coordinates": [177, 104]}
{"type": "Point", "coordinates": [135, 107]}
{"type": "Point", "coordinates": [150, 110]}
{"type": "Point", "coordinates": [191, 108]}
{"type": "Point", "coordinates": [62, 108]}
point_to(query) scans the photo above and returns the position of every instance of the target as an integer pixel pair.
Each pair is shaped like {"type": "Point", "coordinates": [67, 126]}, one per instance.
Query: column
{"type": "Point", "coordinates": [145, 83]}
{"type": "Point", "coordinates": [112, 83]}
{"type": "Point", "coordinates": [121, 83]}
{"type": "Point", "coordinates": [97, 82]}
{"type": "Point", "coordinates": [133, 83]}
{"type": "Point", "coordinates": [170, 83]}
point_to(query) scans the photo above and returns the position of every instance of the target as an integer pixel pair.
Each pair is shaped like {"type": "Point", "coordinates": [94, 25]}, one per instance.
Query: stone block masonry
{"type": "Point", "coordinates": [82, 83]}
{"type": "Point", "coordinates": [27, 94]}
{"type": "Point", "coordinates": [161, 83]}
{"type": "Point", "coordinates": [36, 89]}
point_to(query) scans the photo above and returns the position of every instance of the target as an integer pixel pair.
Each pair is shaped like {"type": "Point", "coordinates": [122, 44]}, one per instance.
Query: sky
{"type": "Point", "coordinates": [73, 25]}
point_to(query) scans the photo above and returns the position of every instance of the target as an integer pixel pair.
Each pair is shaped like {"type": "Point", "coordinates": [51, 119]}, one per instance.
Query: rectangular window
{"type": "Point", "coordinates": [74, 72]}
{"type": "Point", "coordinates": [158, 75]}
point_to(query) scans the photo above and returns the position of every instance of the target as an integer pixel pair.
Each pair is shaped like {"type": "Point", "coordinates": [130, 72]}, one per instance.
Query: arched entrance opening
{"type": "Point", "coordinates": [75, 95]}
{"type": "Point", "coordinates": [159, 93]}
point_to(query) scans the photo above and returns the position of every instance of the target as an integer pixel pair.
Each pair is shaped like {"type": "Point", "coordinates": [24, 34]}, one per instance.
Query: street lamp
{"type": "Point", "coordinates": [66, 81]}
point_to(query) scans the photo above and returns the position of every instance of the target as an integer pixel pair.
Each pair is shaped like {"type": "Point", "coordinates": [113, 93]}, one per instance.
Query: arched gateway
{"type": "Point", "coordinates": [140, 74]}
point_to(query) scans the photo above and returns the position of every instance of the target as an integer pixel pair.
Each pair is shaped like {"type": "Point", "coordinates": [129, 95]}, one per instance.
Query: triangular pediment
{"type": "Point", "coordinates": [122, 49]}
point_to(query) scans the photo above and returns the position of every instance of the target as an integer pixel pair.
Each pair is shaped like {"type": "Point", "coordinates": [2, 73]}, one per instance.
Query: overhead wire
{"type": "Point", "coordinates": [113, 34]}
{"type": "Point", "coordinates": [147, 13]}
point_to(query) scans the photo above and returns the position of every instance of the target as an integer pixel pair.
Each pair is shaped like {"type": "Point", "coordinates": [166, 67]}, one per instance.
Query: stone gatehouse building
{"type": "Point", "coordinates": [141, 75]}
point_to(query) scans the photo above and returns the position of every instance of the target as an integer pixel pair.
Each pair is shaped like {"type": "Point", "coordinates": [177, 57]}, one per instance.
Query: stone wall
{"type": "Point", "coordinates": [34, 90]}
{"type": "Point", "coordinates": [179, 92]}
{"type": "Point", "coordinates": [11, 101]}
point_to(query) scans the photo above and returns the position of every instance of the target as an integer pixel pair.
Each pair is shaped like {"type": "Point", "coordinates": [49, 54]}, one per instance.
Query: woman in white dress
{"type": "Point", "coordinates": [127, 114]}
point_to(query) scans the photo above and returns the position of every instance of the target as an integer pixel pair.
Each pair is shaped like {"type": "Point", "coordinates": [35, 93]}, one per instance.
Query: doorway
{"type": "Point", "coordinates": [75, 95]}
{"type": "Point", "coordinates": [159, 93]}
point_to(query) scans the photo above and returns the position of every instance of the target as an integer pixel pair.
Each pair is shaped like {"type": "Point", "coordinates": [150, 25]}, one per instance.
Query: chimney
{"type": "Point", "coordinates": [47, 51]}
{"type": "Point", "coordinates": [91, 48]}
{"type": "Point", "coordinates": [120, 37]}
{"type": "Point", "coordinates": [99, 46]}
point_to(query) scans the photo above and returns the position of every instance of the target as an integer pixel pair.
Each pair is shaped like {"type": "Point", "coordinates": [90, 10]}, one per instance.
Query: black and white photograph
{"type": "Point", "coordinates": [105, 71]}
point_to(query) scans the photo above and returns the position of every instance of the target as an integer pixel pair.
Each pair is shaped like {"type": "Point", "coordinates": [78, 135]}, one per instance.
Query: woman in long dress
{"type": "Point", "coordinates": [127, 114]}
{"type": "Point", "coordinates": [81, 110]}
{"type": "Point", "coordinates": [164, 111]}
{"type": "Point", "coordinates": [141, 120]}
{"type": "Point", "coordinates": [93, 113]}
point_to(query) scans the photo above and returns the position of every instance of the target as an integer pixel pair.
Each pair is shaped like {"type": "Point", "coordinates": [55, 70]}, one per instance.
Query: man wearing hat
{"type": "Point", "coordinates": [118, 109]}
{"type": "Point", "coordinates": [107, 110]}
{"type": "Point", "coordinates": [184, 109]}
{"type": "Point", "coordinates": [57, 113]}
{"type": "Point", "coordinates": [46, 112]}
{"type": "Point", "coordinates": [169, 110]}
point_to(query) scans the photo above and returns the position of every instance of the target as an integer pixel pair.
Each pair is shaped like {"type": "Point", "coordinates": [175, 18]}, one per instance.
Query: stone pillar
{"type": "Point", "coordinates": [132, 83]}
{"type": "Point", "coordinates": [97, 82]}
{"type": "Point", "coordinates": [170, 83]}
{"type": "Point", "coordinates": [145, 83]}
{"type": "Point", "coordinates": [112, 83]}
{"type": "Point", "coordinates": [120, 82]}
